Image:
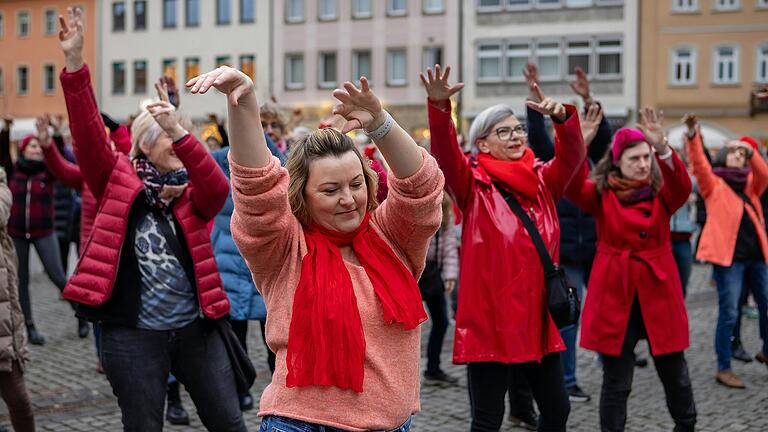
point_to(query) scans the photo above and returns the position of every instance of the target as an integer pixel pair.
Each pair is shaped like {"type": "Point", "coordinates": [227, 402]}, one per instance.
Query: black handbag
{"type": "Point", "coordinates": [562, 299]}
{"type": "Point", "coordinates": [431, 282]}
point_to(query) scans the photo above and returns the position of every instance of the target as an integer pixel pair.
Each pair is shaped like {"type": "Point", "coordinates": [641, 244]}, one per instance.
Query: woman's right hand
{"type": "Point", "coordinates": [225, 79]}
{"type": "Point", "coordinates": [691, 123]}
{"type": "Point", "coordinates": [71, 38]}
{"type": "Point", "coordinates": [437, 86]}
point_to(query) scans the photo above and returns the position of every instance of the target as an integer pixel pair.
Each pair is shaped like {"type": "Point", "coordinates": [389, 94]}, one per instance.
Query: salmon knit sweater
{"type": "Point", "coordinates": [272, 242]}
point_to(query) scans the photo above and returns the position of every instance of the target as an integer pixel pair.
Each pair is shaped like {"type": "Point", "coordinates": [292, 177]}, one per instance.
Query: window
{"type": "Point", "coordinates": [727, 5]}
{"type": "Point", "coordinates": [433, 6]}
{"type": "Point", "coordinates": [762, 4]}
{"type": "Point", "coordinates": [396, 67]}
{"type": "Point", "coordinates": [685, 5]}
{"type": "Point", "coordinates": [683, 66]}
{"type": "Point", "coordinates": [191, 68]}
{"type": "Point", "coordinates": [517, 59]}
{"type": "Point", "coordinates": [397, 7]}
{"type": "Point", "coordinates": [327, 70]}
{"type": "Point", "coordinates": [169, 68]}
{"type": "Point", "coordinates": [362, 9]}
{"type": "Point", "coordinates": [223, 60]}
{"type": "Point", "coordinates": [361, 65]}
{"type": "Point", "coordinates": [118, 78]}
{"type": "Point", "coordinates": [49, 78]}
{"type": "Point", "coordinates": [761, 64]}
{"type": "Point", "coordinates": [192, 13]}
{"type": "Point", "coordinates": [489, 5]}
{"type": "Point", "coordinates": [548, 4]}
{"type": "Point", "coordinates": [548, 60]}
{"type": "Point", "coordinates": [248, 65]}
{"type": "Point", "coordinates": [2, 25]}
{"type": "Point", "coordinates": [118, 16]}
{"type": "Point", "coordinates": [294, 71]}
{"type": "Point", "coordinates": [579, 54]}
{"type": "Point", "coordinates": [140, 76]}
{"type": "Point", "coordinates": [140, 15]}
{"type": "Point", "coordinates": [431, 56]}
{"type": "Point", "coordinates": [327, 10]}
{"type": "Point", "coordinates": [489, 62]}
{"type": "Point", "coordinates": [23, 24]}
{"type": "Point", "coordinates": [223, 12]}
{"type": "Point", "coordinates": [578, 3]}
{"type": "Point", "coordinates": [169, 13]}
{"type": "Point", "coordinates": [247, 11]}
{"type": "Point", "coordinates": [294, 11]}
{"type": "Point", "coordinates": [519, 4]}
{"type": "Point", "coordinates": [22, 80]}
{"type": "Point", "coordinates": [609, 53]}
{"type": "Point", "coordinates": [726, 65]}
{"type": "Point", "coordinates": [2, 82]}
{"type": "Point", "coordinates": [51, 20]}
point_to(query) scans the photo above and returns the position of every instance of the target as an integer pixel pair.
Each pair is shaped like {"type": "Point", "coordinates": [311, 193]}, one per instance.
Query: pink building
{"type": "Point", "coordinates": [319, 44]}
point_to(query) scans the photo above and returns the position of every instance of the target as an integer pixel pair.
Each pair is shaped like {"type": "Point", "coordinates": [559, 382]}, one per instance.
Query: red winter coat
{"type": "Point", "coordinates": [634, 258]}
{"type": "Point", "coordinates": [502, 314]}
{"type": "Point", "coordinates": [116, 186]}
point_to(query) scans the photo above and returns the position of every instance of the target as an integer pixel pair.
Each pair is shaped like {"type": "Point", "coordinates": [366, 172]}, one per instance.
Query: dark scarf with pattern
{"type": "Point", "coordinates": [154, 181]}
{"type": "Point", "coordinates": [630, 191]}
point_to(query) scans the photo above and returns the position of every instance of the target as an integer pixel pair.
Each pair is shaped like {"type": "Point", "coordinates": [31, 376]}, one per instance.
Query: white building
{"type": "Point", "coordinates": [501, 36]}
{"type": "Point", "coordinates": [140, 40]}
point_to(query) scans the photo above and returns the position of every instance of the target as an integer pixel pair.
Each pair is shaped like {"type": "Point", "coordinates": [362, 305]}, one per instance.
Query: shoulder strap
{"type": "Point", "coordinates": [541, 248]}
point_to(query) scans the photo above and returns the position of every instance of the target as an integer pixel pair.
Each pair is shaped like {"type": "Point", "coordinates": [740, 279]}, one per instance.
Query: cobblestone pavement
{"type": "Point", "coordinates": [69, 395]}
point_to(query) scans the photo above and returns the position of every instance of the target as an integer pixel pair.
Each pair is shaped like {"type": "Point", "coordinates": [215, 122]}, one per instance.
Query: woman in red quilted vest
{"type": "Point", "coordinates": [147, 272]}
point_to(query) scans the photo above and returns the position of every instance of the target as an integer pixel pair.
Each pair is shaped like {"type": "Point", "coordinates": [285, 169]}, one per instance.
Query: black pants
{"type": "Point", "coordinates": [240, 327]}
{"type": "Point", "coordinates": [488, 383]}
{"type": "Point", "coordinates": [137, 363]}
{"type": "Point", "coordinates": [48, 250]}
{"type": "Point", "coordinates": [438, 312]}
{"type": "Point", "coordinates": [520, 395]}
{"type": "Point", "coordinates": [617, 381]}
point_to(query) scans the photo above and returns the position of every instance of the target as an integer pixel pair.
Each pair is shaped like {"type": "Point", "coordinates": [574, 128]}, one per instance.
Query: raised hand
{"type": "Point", "coordinates": [547, 106]}
{"type": "Point", "coordinates": [71, 38]}
{"type": "Point", "coordinates": [531, 73]}
{"type": "Point", "coordinates": [437, 86]}
{"type": "Point", "coordinates": [580, 86]}
{"type": "Point", "coordinates": [225, 79]}
{"type": "Point", "coordinates": [161, 87]}
{"type": "Point", "coordinates": [43, 137]}
{"type": "Point", "coordinates": [173, 92]}
{"type": "Point", "coordinates": [651, 125]}
{"type": "Point", "coordinates": [691, 122]}
{"type": "Point", "coordinates": [165, 115]}
{"type": "Point", "coordinates": [591, 123]}
{"type": "Point", "coordinates": [360, 107]}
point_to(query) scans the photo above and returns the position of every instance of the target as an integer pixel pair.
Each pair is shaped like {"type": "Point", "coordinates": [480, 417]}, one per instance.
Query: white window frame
{"type": "Point", "coordinates": [721, 6]}
{"type": "Point", "coordinates": [327, 17]}
{"type": "Point", "coordinates": [52, 90]}
{"type": "Point", "coordinates": [356, 72]}
{"type": "Point", "coordinates": [54, 29]}
{"type": "Point", "coordinates": [396, 12]}
{"type": "Point", "coordinates": [590, 51]}
{"type": "Point", "coordinates": [761, 62]}
{"type": "Point", "coordinates": [484, 9]}
{"type": "Point", "coordinates": [509, 52]}
{"type": "Point", "coordinates": [498, 54]}
{"type": "Point", "coordinates": [361, 15]}
{"type": "Point", "coordinates": [322, 81]}
{"type": "Point", "coordinates": [761, 4]}
{"type": "Point", "coordinates": [18, 23]}
{"type": "Point", "coordinates": [716, 58]}
{"type": "Point", "coordinates": [549, 5]}
{"type": "Point", "coordinates": [396, 82]}
{"type": "Point", "coordinates": [690, 6]}
{"type": "Point", "coordinates": [527, 6]}
{"type": "Point", "coordinates": [609, 50]}
{"type": "Point", "coordinates": [580, 5]}
{"type": "Point", "coordinates": [18, 81]}
{"type": "Point", "coordinates": [609, 2]}
{"type": "Point", "coordinates": [295, 18]}
{"type": "Point", "coordinates": [428, 9]}
{"type": "Point", "coordinates": [673, 57]}
{"type": "Point", "coordinates": [290, 85]}
{"type": "Point", "coordinates": [549, 52]}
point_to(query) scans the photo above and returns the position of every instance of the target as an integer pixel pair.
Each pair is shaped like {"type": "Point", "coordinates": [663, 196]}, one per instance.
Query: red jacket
{"type": "Point", "coordinates": [634, 258]}
{"type": "Point", "coordinates": [116, 186]}
{"type": "Point", "coordinates": [502, 314]}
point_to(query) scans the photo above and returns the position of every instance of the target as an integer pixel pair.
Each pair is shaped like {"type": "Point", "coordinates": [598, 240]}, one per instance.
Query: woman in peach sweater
{"type": "Point", "coordinates": [337, 271]}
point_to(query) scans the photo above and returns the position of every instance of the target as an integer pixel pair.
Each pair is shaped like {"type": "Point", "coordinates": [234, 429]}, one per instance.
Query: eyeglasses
{"type": "Point", "coordinates": [273, 125]}
{"type": "Point", "coordinates": [505, 133]}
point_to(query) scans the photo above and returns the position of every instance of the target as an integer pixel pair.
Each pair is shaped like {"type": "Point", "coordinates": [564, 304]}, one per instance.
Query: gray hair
{"type": "Point", "coordinates": [483, 124]}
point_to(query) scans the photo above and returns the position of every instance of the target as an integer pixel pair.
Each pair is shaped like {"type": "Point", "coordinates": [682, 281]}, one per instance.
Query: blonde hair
{"type": "Point", "coordinates": [319, 144]}
{"type": "Point", "coordinates": [270, 109]}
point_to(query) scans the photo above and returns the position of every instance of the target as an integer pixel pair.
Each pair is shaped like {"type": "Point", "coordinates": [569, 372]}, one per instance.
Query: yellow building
{"type": "Point", "coordinates": [707, 57]}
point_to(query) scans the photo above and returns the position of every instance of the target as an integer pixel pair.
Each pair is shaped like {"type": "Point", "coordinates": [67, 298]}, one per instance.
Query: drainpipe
{"type": "Point", "coordinates": [459, 98]}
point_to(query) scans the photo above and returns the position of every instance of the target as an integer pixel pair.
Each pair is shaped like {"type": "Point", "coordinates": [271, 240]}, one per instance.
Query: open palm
{"type": "Point", "coordinates": [360, 107]}
{"type": "Point", "coordinates": [651, 124]}
{"type": "Point", "coordinates": [437, 85]}
{"type": "Point", "coordinates": [71, 32]}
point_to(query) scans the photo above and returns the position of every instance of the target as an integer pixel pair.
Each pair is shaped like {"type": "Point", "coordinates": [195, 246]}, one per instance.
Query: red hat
{"type": "Point", "coordinates": [751, 141]}
{"type": "Point", "coordinates": [25, 141]}
{"type": "Point", "coordinates": [624, 138]}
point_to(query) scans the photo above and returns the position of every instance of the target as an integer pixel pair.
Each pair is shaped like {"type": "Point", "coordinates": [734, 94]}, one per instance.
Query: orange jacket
{"type": "Point", "coordinates": [724, 208]}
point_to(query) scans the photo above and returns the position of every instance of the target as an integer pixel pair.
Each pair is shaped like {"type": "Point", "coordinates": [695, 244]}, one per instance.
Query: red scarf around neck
{"type": "Point", "coordinates": [326, 343]}
{"type": "Point", "coordinates": [516, 175]}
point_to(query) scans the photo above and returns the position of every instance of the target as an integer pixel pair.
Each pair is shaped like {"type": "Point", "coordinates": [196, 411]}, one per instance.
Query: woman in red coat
{"type": "Point", "coordinates": [502, 322]}
{"type": "Point", "coordinates": [634, 290]}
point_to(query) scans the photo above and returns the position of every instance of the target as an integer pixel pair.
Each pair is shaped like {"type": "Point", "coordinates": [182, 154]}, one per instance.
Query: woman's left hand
{"type": "Point", "coordinates": [165, 115]}
{"type": "Point", "coordinates": [651, 125]}
{"type": "Point", "coordinates": [547, 106]}
{"type": "Point", "coordinates": [359, 107]}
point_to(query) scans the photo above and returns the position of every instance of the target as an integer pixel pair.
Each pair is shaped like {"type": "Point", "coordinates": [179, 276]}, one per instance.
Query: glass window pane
{"type": "Point", "coordinates": [609, 64]}
{"type": "Point", "coordinates": [549, 66]}
{"type": "Point", "coordinates": [362, 8]}
{"type": "Point", "coordinates": [223, 11]}
{"type": "Point", "coordinates": [139, 15]}
{"type": "Point", "coordinates": [247, 11]}
{"type": "Point", "coordinates": [169, 13]}
{"type": "Point", "coordinates": [140, 76]}
{"type": "Point", "coordinates": [118, 78]}
{"type": "Point", "coordinates": [118, 16]}
{"type": "Point", "coordinates": [248, 66]}
{"type": "Point", "coordinates": [192, 13]}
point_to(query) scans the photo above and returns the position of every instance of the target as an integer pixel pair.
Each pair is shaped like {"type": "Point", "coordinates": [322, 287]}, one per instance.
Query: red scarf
{"type": "Point", "coordinates": [326, 343]}
{"type": "Point", "coordinates": [516, 175]}
{"type": "Point", "coordinates": [630, 191]}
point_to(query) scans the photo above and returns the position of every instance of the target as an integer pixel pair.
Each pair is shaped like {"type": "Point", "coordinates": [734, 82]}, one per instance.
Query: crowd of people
{"type": "Point", "coordinates": [341, 248]}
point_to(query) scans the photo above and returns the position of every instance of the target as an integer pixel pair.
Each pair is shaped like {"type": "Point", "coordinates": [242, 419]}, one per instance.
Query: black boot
{"type": "Point", "coordinates": [83, 328]}
{"type": "Point", "coordinates": [175, 412]}
{"type": "Point", "coordinates": [33, 336]}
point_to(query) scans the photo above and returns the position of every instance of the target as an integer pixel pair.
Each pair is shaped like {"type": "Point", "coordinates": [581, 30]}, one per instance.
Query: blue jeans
{"type": "Point", "coordinates": [577, 276]}
{"type": "Point", "coordinates": [683, 253]}
{"type": "Point", "coordinates": [283, 424]}
{"type": "Point", "coordinates": [729, 285]}
{"type": "Point", "coordinates": [438, 312]}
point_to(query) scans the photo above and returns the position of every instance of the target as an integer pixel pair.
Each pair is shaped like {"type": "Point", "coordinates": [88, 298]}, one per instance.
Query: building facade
{"type": "Point", "coordinates": [706, 56]}
{"type": "Point", "coordinates": [320, 44]}
{"type": "Point", "coordinates": [140, 40]}
{"type": "Point", "coordinates": [31, 58]}
{"type": "Point", "coordinates": [502, 36]}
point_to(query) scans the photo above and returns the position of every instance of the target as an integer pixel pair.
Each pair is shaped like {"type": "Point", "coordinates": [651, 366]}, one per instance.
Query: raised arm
{"type": "Point", "coordinates": [64, 170]}
{"type": "Point", "coordinates": [444, 143]}
{"type": "Point", "coordinates": [583, 192]}
{"type": "Point", "coordinates": [702, 169]}
{"type": "Point", "coordinates": [538, 138]}
{"type": "Point", "coordinates": [677, 183]}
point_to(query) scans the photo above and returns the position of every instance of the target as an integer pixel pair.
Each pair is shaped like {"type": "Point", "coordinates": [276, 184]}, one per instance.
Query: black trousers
{"type": "Point", "coordinates": [488, 383]}
{"type": "Point", "coordinates": [240, 327]}
{"type": "Point", "coordinates": [617, 381]}
{"type": "Point", "coordinates": [438, 313]}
